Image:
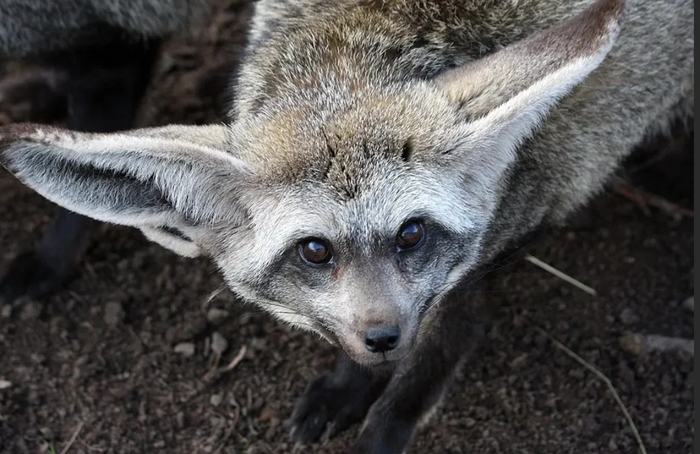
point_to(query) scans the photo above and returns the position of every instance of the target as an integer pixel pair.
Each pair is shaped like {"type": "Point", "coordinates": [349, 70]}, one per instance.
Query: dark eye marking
{"type": "Point", "coordinates": [407, 150]}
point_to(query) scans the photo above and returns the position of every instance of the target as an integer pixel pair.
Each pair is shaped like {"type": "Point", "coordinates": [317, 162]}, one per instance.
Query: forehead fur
{"type": "Point", "coordinates": [345, 145]}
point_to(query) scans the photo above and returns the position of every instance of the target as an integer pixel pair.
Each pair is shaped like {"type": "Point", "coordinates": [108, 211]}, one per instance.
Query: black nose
{"type": "Point", "coordinates": [382, 338]}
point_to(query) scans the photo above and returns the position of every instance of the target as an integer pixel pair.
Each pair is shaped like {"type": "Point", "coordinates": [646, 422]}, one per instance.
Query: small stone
{"type": "Point", "coordinates": [219, 344]}
{"type": "Point", "coordinates": [470, 422]}
{"type": "Point", "coordinates": [46, 433]}
{"type": "Point", "coordinates": [689, 304]}
{"type": "Point", "coordinates": [268, 414]}
{"type": "Point", "coordinates": [639, 344]}
{"type": "Point", "coordinates": [207, 347]}
{"type": "Point", "coordinates": [628, 317]}
{"type": "Point", "coordinates": [217, 316]}
{"type": "Point", "coordinates": [216, 399]}
{"type": "Point", "coordinates": [31, 310]}
{"type": "Point", "coordinates": [4, 384]}
{"type": "Point", "coordinates": [180, 420]}
{"type": "Point", "coordinates": [519, 361]}
{"type": "Point", "coordinates": [633, 343]}
{"type": "Point", "coordinates": [6, 311]}
{"type": "Point", "coordinates": [664, 344]}
{"type": "Point", "coordinates": [186, 331]}
{"type": "Point", "coordinates": [186, 349]}
{"type": "Point", "coordinates": [114, 314]}
{"type": "Point", "coordinates": [37, 358]}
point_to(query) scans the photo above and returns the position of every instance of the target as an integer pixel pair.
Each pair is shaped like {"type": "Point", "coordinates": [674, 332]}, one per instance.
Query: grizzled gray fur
{"type": "Point", "coordinates": [378, 154]}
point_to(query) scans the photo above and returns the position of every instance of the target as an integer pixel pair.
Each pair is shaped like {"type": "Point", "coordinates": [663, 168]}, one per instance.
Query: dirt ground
{"type": "Point", "coordinates": [118, 361]}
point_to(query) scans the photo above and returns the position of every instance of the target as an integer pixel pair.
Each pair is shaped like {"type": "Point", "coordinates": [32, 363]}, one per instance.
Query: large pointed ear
{"type": "Point", "coordinates": [505, 96]}
{"type": "Point", "coordinates": [169, 182]}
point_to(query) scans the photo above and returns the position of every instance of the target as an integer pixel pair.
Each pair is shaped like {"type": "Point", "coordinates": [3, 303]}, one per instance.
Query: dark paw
{"type": "Point", "coordinates": [327, 408]}
{"type": "Point", "coordinates": [28, 275]}
{"type": "Point", "coordinates": [382, 437]}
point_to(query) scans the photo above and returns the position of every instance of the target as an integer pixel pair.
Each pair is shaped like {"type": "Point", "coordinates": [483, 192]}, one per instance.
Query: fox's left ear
{"type": "Point", "coordinates": [164, 181]}
{"type": "Point", "coordinates": [505, 96]}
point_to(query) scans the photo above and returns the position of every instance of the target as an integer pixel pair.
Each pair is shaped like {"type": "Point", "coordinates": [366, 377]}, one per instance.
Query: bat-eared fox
{"type": "Point", "coordinates": [377, 155]}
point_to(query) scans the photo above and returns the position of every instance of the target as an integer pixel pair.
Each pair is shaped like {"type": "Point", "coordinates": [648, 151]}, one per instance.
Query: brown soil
{"type": "Point", "coordinates": [97, 359]}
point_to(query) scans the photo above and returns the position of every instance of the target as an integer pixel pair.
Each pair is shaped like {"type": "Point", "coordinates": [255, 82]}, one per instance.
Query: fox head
{"type": "Point", "coordinates": [349, 213]}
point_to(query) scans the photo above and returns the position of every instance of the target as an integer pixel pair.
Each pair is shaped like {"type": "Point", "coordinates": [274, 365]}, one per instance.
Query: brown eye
{"type": "Point", "coordinates": [410, 235]}
{"type": "Point", "coordinates": [315, 251]}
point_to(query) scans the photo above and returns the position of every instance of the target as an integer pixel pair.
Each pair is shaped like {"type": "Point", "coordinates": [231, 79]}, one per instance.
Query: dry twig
{"type": "Point", "coordinates": [604, 379]}
{"type": "Point", "coordinates": [645, 199]}
{"type": "Point", "coordinates": [237, 359]}
{"type": "Point", "coordinates": [550, 269]}
{"type": "Point", "coordinates": [215, 372]}
{"type": "Point", "coordinates": [73, 438]}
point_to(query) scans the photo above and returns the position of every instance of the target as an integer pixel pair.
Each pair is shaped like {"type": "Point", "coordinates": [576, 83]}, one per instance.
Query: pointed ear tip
{"type": "Point", "coordinates": [598, 26]}
{"type": "Point", "coordinates": [619, 6]}
{"type": "Point", "coordinates": [611, 11]}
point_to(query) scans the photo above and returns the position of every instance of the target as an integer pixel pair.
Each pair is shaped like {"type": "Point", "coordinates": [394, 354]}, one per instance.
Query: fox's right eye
{"type": "Point", "coordinates": [316, 252]}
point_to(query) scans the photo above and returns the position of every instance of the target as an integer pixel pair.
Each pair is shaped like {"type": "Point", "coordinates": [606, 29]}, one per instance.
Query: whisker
{"type": "Point", "coordinates": [473, 279]}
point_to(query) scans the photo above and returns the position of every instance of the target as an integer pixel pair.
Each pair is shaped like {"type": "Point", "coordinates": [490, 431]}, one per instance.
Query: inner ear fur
{"type": "Point", "coordinates": [175, 177]}
{"type": "Point", "coordinates": [481, 86]}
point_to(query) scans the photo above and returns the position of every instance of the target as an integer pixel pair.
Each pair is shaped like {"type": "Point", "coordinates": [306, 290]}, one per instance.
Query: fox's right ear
{"type": "Point", "coordinates": [160, 180]}
{"type": "Point", "coordinates": [505, 96]}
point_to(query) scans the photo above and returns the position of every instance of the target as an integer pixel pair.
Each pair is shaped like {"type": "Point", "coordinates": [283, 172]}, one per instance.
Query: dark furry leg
{"type": "Point", "coordinates": [38, 272]}
{"type": "Point", "coordinates": [104, 88]}
{"type": "Point", "coordinates": [419, 382]}
{"type": "Point", "coordinates": [335, 401]}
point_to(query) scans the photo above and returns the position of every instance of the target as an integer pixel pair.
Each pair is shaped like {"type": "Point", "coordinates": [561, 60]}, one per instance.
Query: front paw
{"type": "Point", "coordinates": [328, 407]}
{"type": "Point", "coordinates": [383, 435]}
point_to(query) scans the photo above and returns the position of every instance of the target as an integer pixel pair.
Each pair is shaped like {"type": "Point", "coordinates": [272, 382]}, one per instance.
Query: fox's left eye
{"type": "Point", "coordinates": [316, 252]}
{"type": "Point", "coordinates": [410, 235]}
